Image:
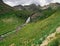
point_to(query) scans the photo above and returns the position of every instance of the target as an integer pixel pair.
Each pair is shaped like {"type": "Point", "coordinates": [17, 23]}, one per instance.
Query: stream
{"type": "Point", "coordinates": [17, 29]}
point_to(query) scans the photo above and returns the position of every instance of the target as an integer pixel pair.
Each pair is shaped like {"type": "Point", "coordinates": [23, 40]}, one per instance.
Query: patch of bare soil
{"type": "Point", "coordinates": [12, 44]}
{"type": "Point", "coordinates": [50, 37]}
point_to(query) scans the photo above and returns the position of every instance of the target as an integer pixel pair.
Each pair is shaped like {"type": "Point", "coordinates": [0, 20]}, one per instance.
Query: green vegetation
{"type": "Point", "coordinates": [8, 19]}
{"type": "Point", "coordinates": [46, 13]}
{"type": "Point", "coordinates": [55, 42]}
{"type": "Point", "coordinates": [9, 22]}
{"type": "Point", "coordinates": [33, 33]}
{"type": "Point", "coordinates": [24, 14]}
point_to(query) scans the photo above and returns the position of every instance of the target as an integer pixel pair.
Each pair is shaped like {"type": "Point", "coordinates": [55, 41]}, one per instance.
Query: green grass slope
{"type": "Point", "coordinates": [8, 19]}
{"type": "Point", "coordinates": [9, 23]}
{"type": "Point", "coordinates": [33, 33]}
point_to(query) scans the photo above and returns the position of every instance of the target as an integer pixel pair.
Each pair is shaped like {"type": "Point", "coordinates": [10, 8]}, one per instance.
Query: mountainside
{"type": "Point", "coordinates": [43, 22]}
{"type": "Point", "coordinates": [33, 33]}
{"type": "Point", "coordinates": [37, 12]}
{"type": "Point", "coordinates": [54, 6]}
{"type": "Point", "coordinates": [8, 18]}
{"type": "Point", "coordinates": [34, 7]}
{"type": "Point", "coordinates": [19, 7]}
{"type": "Point", "coordinates": [4, 8]}
{"type": "Point", "coordinates": [28, 7]}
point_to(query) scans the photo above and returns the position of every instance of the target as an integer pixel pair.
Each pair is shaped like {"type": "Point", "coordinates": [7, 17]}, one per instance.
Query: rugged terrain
{"type": "Point", "coordinates": [44, 22]}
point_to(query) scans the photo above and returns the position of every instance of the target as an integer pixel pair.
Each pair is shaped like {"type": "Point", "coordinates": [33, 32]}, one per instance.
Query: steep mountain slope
{"type": "Point", "coordinates": [54, 6]}
{"type": "Point", "coordinates": [33, 33]}
{"type": "Point", "coordinates": [28, 7]}
{"type": "Point", "coordinates": [4, 8]}
{"type": "Point", "coordinates": [8, 18]}
{"type": "Point", "coordinates": [19, 7]}
{"type": "Point", "coordinates": [36, 12]}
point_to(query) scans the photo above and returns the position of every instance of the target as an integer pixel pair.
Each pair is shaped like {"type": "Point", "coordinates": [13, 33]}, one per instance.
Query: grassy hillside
{"type": "Point", "coordinates": [8, 19]}
{"type": "Point", "coordinates": [33, 33]}
{"type": "Point", "coordinates": [9, 23]}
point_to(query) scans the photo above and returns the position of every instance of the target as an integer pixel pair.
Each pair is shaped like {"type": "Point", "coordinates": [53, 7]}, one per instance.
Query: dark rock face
{"type": "Point", "coordinates": [1, 1]}
{"type": "Point", "coordinates": [31, 7]}
{"type": "Point", "coordinates": [4, 8]}
{"type": "Point", "coordinates": [36, 16]}
{"type": "Point", "coordinates": [19, 7]}
{"type": "Point", "coordinates": [51, 5]}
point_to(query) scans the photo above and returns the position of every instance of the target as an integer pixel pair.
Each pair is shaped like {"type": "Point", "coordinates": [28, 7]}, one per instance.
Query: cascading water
{"type": "Point", "coordinates": [28, 20]}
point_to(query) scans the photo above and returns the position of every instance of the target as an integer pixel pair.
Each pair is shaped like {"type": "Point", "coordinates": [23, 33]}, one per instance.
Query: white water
{"type": "Point", "coordinates": [28, 20]}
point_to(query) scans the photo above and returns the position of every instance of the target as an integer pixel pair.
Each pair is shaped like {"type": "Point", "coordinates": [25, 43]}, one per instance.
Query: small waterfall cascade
{"type": "Point", "coordinates": [28, 20]}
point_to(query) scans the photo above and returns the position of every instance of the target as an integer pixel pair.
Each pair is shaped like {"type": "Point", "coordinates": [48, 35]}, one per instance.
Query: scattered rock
{"type": "Point", "coordinates": [48, 39]}
{"type": "Point", "coordinates": [12, 44]}
{"type": "Point", "coordinates": [58, 30]}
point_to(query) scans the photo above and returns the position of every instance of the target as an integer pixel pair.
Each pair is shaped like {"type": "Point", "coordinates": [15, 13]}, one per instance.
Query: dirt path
{"type": "Point", "coordinates": [50, 37]}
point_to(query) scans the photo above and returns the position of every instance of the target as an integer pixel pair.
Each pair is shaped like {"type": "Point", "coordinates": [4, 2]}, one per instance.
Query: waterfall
{"type": "Point", "coordinates": [28, 20]}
